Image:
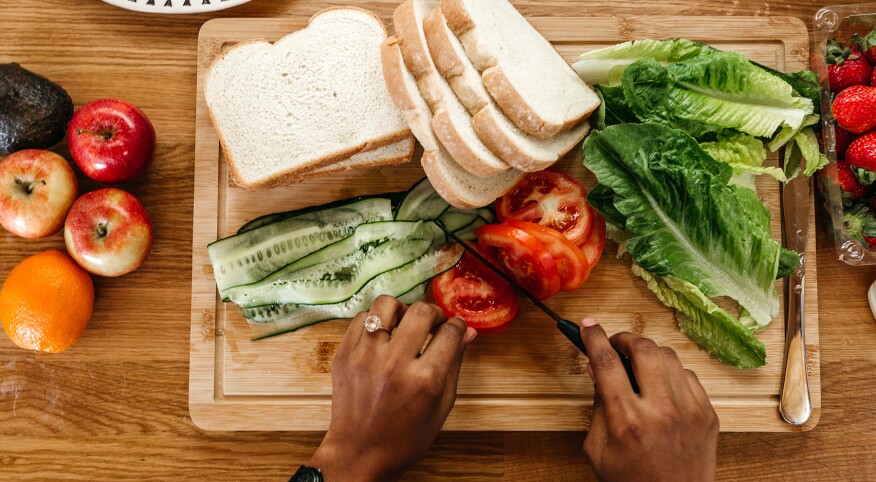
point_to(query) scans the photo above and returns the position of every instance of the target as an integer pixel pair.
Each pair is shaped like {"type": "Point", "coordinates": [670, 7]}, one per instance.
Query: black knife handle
{"type": "Point", "coordinates": [573, 333]}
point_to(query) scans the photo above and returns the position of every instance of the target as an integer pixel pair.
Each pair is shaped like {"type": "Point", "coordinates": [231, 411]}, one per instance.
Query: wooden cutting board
{"type": "Point", "coordinates": [528, 377]}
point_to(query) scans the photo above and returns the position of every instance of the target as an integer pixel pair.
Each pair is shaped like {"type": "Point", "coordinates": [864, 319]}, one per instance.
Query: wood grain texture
{"type": "Point", "coordinates": [115, 406]}
{"type": "Point", "coordinates": [508, 381]}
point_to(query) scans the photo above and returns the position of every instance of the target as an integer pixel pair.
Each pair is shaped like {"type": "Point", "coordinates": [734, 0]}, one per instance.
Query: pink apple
{"type": "Point", "coordinates": [37, 189]}
{"type": "Point", "coordinates": [108, 232]}
{"type": "Point", "coordinates": [111, 141]}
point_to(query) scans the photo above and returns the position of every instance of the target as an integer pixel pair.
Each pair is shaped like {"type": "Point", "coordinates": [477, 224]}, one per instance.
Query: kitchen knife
{"type": "Point", "coordinates": [794, 403]}
{"type": "Point", "coordinates": [566, 327]}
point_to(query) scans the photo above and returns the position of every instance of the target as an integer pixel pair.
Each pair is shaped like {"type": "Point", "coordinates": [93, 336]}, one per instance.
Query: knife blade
{"type": "Point", "coordinates": [569, 329]}
{"type": "Point", "coordinates": [794, 402]}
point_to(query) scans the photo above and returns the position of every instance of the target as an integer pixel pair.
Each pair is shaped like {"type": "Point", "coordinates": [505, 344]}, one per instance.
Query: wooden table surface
{"type": "Point", "coordinates": [115, 405]}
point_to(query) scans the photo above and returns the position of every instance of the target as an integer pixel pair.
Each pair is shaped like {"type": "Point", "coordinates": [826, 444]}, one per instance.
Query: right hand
{"type": "Point", "coordinates": [668, 432]}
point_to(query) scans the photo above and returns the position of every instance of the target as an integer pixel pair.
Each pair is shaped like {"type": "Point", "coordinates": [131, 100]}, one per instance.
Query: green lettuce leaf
{"type": "Point", "coordinates": [613, 108]}
{"type": "Point", "coordinates": [787, 134]}
{"type": "Point", "coordinates": [810, 149]}
{"type": "Point", "coordinates": [745, 154]}
{"type": "Point", "coordinates": [720, 90]}
{"type": "Point", "coordinates": [682, 217]}
{"type": "Point", "coordinates": [804, 82]}
{"type": "Point", "coordinates": [712, 327]}
{"type": "Point", "coordinates": [606, 66]}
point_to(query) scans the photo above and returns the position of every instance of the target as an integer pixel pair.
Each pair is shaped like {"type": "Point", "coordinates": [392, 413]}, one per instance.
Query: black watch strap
{"type": "Point", "coordinates": [307, 474]}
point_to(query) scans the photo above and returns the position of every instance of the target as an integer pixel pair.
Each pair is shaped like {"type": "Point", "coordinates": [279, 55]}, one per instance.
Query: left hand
{"type": "Point", "coordinates": [389, 401]}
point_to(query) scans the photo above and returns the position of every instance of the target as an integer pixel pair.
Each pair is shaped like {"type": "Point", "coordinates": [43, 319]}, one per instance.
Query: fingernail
{"type": "Point", "coordinates": [589, 322]}
{"type": "Point", "coordinates": [590, 372]}
{"type": "Point", "coordinates": [470, 335]}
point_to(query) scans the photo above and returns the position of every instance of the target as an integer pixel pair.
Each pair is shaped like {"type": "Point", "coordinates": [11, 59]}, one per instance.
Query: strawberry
{"type": "Point", "coordinates": [855, 109]}
{"type": "Point", "coordinates": [862, 152]}
{"type": "Point", "coordinates": [870, 241]}
{"type": "Point", "coordinates": [860, 224]}
{"type": "Point", "coordinates": [849, 183]}
{"type": "Point", "coordinates": [843, 139]}
{"type": "Point", "coordinates": [867, 45]}
{"type": "Point", "coordinates": [846, 67]}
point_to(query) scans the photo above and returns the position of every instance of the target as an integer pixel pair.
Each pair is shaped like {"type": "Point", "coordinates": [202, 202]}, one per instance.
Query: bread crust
{"type": "Point", "coordinates": [449, 63]}
{"type": "Point", "coordinates": [456, 145]}
{"type": "Point", "coordinates": [404, 158]}
{"type": "Point", "coordinates": [496, 81]}
{"type": "Point", "coordinates": [293, 175]}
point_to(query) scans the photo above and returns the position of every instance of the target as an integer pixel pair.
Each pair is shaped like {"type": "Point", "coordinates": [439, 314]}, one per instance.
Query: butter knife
{"type": "Point", "coordinates": [794, 403]}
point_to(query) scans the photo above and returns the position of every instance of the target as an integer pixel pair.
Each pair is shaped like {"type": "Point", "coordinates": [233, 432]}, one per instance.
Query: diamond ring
{"type": "Point", "coordinates": [373, 323]}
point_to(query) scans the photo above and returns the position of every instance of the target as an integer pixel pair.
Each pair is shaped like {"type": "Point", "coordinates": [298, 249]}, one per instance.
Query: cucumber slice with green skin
{"type": "Point", "coordinates": [369, 234]}
{"type": "Point", "coordinates": [336, 280]}
{"type": "Point", "coordinates": [394, 198]}
{"type": "Point", "coordinates": [261, 315]}
{"type": "Point", "coordinates": [487, 214]}
{"type": "Point", "coordinates": [455, 219]}
{"type": "Point", "coordinates": [276, 320]}
{"type": "Point", "coordinates": [248, 257]}
{"type": "Point", "coordinates": [421, 202]}
{"type": "Point", "coordinates": [469, 233]}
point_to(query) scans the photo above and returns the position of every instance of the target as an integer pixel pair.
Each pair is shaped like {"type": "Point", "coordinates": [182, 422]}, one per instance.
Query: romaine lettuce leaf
{"type": "Point", "coordinates": [746, 155]}
{"type": "Point", "coordinates": [811, 151]}
{"type": "Point", "coordinates": [613, 108]}
{"type": "Point", "coordinates": [712, 327]}
{"type": "Point", "coordinates": [682, 217]}
{"type": "Point", "coordinates": [708, 93]}
{"type": "Point", "coordinates": [606, 66]}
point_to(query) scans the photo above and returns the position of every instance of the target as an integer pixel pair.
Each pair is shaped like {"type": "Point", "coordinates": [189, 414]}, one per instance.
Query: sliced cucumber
{"type": "Point", "coordinates": [275, 320]}
{"type": "Point", "coordinates": [421, 202]}
{"type": "Point", "coordinates": [469, 233]}
{"type": "Point", "coordinates": [252, 255]}
{"type": "Point", "coordinates": [394, 198]}
{"type": "Point", "coordinates": [488, 214]}
{"type": "Point", "coordinates": [335, 280]}
{"type": "Point", "coordinates": [455, 219]}
{"type": "Point", "coordinates": [369, 234]}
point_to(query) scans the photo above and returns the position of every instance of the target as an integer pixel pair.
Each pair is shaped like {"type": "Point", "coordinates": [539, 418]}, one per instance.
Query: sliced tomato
{"type": "Point", "coordinates": [526, 259]}
{"type": "Point", "coordinates": [593, 247]}
{"type": "Point", "coordinates": [572, 265]}
{"type": "Point", "coordinates": [552, 199]}
{"type": "Point", "coordinates": [476, 294]}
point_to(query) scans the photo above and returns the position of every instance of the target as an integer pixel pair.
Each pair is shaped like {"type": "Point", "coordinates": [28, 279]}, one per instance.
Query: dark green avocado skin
{"type": "Point", "coordinates": [34, 111]}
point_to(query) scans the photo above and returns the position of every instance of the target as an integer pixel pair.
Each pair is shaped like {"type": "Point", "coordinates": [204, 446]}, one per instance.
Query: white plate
{"type": "Point", "coordinates": [176, 6]}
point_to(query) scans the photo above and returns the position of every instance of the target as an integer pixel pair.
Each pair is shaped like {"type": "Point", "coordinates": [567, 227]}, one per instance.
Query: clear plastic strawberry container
{"type": "Point", "coordinates": [840, 22]}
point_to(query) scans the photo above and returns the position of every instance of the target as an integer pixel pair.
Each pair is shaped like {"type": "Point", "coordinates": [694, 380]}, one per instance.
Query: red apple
{"type": "Point", "coordinates": [108, 232]}
{"type": "Point", "coordinates": [37, 189]}
{"type": "Point", "coordinates": [111, 141]}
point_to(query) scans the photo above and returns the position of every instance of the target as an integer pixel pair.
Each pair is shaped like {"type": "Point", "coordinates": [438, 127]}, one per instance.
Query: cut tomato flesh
{"type": "Point", "coordinates": [572, 264]}
{"type": "Point", "coordinates": [475, 293]}
{"type": "Point", "coordinates": [596, 244]}
{"type": "Point", "coordinates": [552, 199]}
{"type": "Point", "coordinates": [525, 258]}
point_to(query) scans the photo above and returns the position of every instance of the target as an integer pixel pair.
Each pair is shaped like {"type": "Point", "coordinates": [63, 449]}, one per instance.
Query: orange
{"type": "Point", "coordinates": [46, 302]}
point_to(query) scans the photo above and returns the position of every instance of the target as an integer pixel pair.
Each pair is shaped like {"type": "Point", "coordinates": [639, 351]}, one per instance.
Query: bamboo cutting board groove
{"type": "Point", "coordinates": [528, 377]}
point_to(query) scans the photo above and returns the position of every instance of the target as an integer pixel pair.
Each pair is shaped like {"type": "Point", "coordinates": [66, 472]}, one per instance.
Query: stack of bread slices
{"type": "Point", "coordinates": [312, 103]}
{"type": "Point", "coordinates": [485, 94]}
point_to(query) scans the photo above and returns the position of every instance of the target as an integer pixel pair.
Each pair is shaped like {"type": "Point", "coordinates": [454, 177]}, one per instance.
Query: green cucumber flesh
{"type": "Point", "coordinates": [335, 280]}
{"type": "Point", "coordinates": [455, 219]}
{"type": "Point", "coordinates": [469, 233]}
{"type": "Point", "coordinates": [275, 320]}
{"type": "Point", "coordinates": [250, 256]}
{"type": "Point", "coordinates": [369, 234]}
{"type": "Point", "coordinates": [487, 213]}
{"type": "Point", "coordinates": [421, 202]}
{"type": "Point", "coordinates": [258, 222]}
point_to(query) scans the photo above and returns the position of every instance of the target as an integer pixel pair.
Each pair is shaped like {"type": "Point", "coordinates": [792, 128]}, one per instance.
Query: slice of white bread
{"type": "Point", "coordinates": [529, 80]}
{"type": "Point", "coordinates": [451, 121]}
{"type": "Point", "coordinates": [393, 154]}
{"type": "Point", "coordinates": [315, 97]}
{"type": "Point", "coordinates": [456, 185]}
{"type": "Point", "coordinates": [521, 151]}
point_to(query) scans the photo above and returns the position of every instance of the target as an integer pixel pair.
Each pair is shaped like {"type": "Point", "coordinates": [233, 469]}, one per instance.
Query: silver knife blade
{"type": "Point", "coordinates": [794, 402]}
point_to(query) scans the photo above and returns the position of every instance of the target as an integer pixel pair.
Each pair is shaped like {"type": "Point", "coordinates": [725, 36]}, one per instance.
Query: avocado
{"type": "Point", "coordinates": [34, 111]}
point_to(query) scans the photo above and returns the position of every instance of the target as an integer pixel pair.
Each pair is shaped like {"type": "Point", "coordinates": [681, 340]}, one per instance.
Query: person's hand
{"type": "Point", "coordinates": [389, 401]}
{"type": "Point", "coordinates": [667, 432]}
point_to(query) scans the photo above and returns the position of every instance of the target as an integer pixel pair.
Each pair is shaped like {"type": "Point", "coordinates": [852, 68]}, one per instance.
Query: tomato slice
{"type": "Point", "coordinates": [476, 294]}
{"type": "Point", "coordinates": [572, 265]}
{"type": "Point", "coordinates": [593, 247]}
{"type": "Point", "coordinates": [525, 258]}
{"type": "Point", "coordinates": [552, 199]}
